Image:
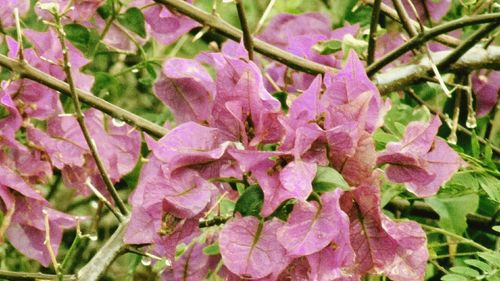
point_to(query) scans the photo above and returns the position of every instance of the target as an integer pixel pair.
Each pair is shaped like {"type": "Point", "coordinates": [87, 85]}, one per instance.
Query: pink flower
{"type": "Point", "coordinates": [421, 160]}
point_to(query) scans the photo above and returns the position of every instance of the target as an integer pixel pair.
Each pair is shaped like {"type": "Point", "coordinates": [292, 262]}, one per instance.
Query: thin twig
{"type": "Point", "coordinates": [135, 250]}
{"type": "Point", "coordinates": [7, 218]}
{"type": "Point", "coordinates": [131, 38]}
{"type": "Point", "coordinates": [103, 199]}
{"type": "Point", "coordinates": [404, 18]}
{"type": "Point", "coordinates": [426, 50]}
{"type": "Point", "coordinates": [264, 16]}
{"type": "Point", "coordinates": [447, 40]}
{"type": "Point", "coordinates": [48, 244]}
{"type": "Point", "coordinates": [438, 266]}
{"type": "Point", "coordinates": [428, 35]}
{"type": "Point", "coordinates": [110, 20]}
{"type": "Point", "coordinates": [452, 255]}
{"type": "Point", "coordinates": [471, 113]}
{"type": "Point", "coordinates": [373, 30]}
{"type": "Point", "coordinates": [19, 34]}
{"type": "Point", "coordinates": [452, 138]}
{"type": "Point", "coordinates": [455, 236]}
{"type": "Point", "coordinates": [31, 276]}
{"type": "Point", "coordinates": [81, 121]}
{"type": "Point", "coordinates": [449, 84]}
{"type": "Point", "coordinates": [247, 36]}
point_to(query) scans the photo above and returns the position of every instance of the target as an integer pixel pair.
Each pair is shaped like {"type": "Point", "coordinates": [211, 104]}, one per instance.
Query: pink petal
{"type": "Point", "coordinates": [249, 248]}
{"type": "Point", "coordinates": [187, 88]}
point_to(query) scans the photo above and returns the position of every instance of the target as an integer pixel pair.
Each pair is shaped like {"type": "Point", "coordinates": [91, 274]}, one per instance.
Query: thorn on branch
{"type": "Point", "coordinates": [19, 35]}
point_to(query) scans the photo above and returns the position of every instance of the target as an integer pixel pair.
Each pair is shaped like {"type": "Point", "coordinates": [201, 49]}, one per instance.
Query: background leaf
{"type": "Point", "coordinates": [133, 20]}
{"type": "Point", "coordinates": [250, 202]}
{"type": "Point", "coordinates": [453, 211]}
{"type": "Point", "coordinates": [328, 179]}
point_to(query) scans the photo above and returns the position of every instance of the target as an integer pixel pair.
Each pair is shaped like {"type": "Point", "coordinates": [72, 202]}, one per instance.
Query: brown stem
{"type": "Point", "coordinates": [81, 121]}
{"type": "Point", "coordinates": [373, 30]}
{"type": "Point", "coordinates": [404, 18]}
{"type": "Point", "coordinates": [247, 36]}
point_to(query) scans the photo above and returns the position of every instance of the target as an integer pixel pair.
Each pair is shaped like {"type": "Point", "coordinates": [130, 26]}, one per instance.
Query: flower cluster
{"type": "Point", "coordinates": [232, 128]}
{"type": "Point", "coordinates": [59, 144]}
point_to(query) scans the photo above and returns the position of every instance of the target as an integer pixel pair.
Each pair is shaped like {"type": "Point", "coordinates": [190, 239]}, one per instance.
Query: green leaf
{"type": "Point", "coordinates": [161, 265]}
{"type": "Point", "coordinates": [490, 185]}
{"type": "Point", "coordinates": [282, 96]}
{"type": "Point", "coordinates": [180, 249]}
{"type": "Point", "coordinates": [133, 263]}
{"type": "Point", "coordinates": [284, 210]}
{"type": "Point", "coordinates": [105, 84]}
{"type": "Point", "coordinates": [132, 177]}
{"type": "Point", "coordinates": [382, 138]}
{"type": "Point", "coordinates": [341, 10]}
{"type": "Point", "coordinates": [133, 20]}
{"type": "Point", "coordinates": [390, 192]}
{"type": "Point", "coordinates": [226, 207]}
{"type": "Point", "coordinates": [151, 70]}
{"type": "Point", "coordinates": [453, 277]}
{"type": "Point", "coordinates": [464, 270]}
{"type": "Point", "coordinates": [211, 250]}
{"type": "Point", "coordinates": [106, 10]}
{"type": "Point", "coordinates": [479, 264]}
{"type": "Point", "coordinates": [474, 142]}
{"type": "Point", "coordinates": [491, 257]}
{"type": "Point", "coordinates": [328, 179]}
{"type": "Point", "coordinates": [401, 114]}
{"type": "Point", "coordinates": [400, 128]}
{"type": "Point", "coordinates": [349, 42]}
{"type": "Point", "coordinates": [488, 157]}
{"type": "Point", "coordinates": [148, 81]}
{"type": "Point", "coordinates": [496, 228]}
{"type": "Point", "coordinates": [78, 34]}
{"type": "Point", "coordinates": [453, 211]}
{"type": "Point", "coordinates": [250, 202]}
{"type": "Point", "coordinates": [328, 47]}
{"type": "Point", "coordinates": [3, 112]}
{"type": "Point", "coordinates": [465, 181]}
